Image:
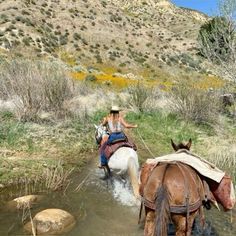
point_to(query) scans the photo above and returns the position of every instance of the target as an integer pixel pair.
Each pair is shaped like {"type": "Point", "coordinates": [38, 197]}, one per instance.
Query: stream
{"type": "Point", "coordinates": [103, 207]}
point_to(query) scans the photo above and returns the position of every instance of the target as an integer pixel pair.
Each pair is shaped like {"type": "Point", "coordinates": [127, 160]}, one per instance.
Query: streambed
{"type": "Point", "coordinates": [103, 208]}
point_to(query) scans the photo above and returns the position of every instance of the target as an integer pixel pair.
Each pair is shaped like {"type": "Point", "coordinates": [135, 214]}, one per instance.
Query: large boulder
{"type": "Point", "coordinates": [23, 202]}
{"type": "Point", "coordinates": [51, 222]}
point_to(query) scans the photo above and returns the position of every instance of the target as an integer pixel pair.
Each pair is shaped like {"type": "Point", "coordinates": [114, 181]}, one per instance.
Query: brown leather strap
{"type": "Point", "coordinates": [186, 194]}
{"type": "Point", "coordinates": [181, 209]}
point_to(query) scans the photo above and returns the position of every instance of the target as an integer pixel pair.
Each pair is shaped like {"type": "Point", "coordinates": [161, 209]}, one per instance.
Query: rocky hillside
{"type": "Point", "coordinates": [137, 35]}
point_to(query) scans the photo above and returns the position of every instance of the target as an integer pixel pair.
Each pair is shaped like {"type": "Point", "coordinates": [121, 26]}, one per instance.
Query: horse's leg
{"type": "Point", "coordinates": [107, 172]}
{"type": "Point", "coordinates": [181, 225]}
{"type": "Point", "coordinates": [149, 222]}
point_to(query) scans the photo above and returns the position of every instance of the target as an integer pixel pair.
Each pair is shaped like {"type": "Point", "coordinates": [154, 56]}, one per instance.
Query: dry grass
{"type": "Point", "coordinates": [225, 161]}
{"type": "Point", "coordinates": [56, 178]}
{"type": "Point", "coordinates": [195, 104]}
{"type": "Point", "coordinates": [36, 86]}
{"type": "Point", "coordinates": [123, 32]}
{"type": "Point", "coordinates": [139, 94]}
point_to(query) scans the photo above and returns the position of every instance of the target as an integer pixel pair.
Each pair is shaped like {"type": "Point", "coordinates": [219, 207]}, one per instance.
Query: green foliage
{"type": "Point", "coordinates": [11, 134]}
{"type": "Point", "coordinates": [90, 78]}
{"type": "Point", "coordinates": [156, 129]}
{"type": "Point", "coordinates": [215, 38]}
{"type": "Point", "coordinates": [6, 115]}
{"type": "Point", "coordinates": [97, 117]}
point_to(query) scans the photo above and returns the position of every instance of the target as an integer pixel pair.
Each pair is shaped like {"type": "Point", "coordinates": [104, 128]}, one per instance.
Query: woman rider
{"type": "Point", "coordinates": [115, 124]}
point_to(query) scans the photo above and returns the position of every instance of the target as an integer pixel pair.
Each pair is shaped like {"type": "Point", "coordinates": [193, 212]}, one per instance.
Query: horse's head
{"type": "Point", "coordinates": [100, 132]}
{"type": "Point", "coordinates": [181, 145]}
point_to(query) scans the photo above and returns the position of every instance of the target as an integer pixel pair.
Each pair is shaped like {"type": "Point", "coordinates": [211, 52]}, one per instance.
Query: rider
{"type": "Point", "coordinates": [115, 124]}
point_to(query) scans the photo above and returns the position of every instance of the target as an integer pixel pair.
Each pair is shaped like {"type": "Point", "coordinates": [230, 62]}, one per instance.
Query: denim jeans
{"type": "Point", "coordinates": [112, 138]}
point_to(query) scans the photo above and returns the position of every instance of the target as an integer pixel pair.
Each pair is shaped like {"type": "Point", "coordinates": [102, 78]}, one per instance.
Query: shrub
{"type": "Point", "coordinates": [91, 78]}
{"type": "Point", "coordinates": [37, 86]}
{"type": "Point", "coordinates": [139, 93]}
{"type": "Point", "coordinates": [194, 104]}
{"type": "Point", "coordinates": [216, 38]}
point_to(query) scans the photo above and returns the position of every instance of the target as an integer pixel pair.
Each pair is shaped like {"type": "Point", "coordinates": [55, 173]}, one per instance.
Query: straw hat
{"type": "Point", "coordinates": [115, 108]}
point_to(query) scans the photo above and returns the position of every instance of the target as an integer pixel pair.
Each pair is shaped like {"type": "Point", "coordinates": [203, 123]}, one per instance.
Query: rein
{"type": "Point", "coordinates": [145, 144]}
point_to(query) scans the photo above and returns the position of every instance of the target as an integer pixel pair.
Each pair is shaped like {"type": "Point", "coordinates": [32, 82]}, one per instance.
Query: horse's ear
{"type": "Point", "coordinates": [189, 143]}
{"type": "Point", "coordinates": [174, 145]}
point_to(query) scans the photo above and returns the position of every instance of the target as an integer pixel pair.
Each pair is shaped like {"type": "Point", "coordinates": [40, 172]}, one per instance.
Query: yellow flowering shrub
{"type": "Point", "coordinates": [207, 82]}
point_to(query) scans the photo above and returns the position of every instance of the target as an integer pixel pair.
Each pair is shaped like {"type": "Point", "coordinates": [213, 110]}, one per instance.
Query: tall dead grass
{"type": "Point", "coordinates": [138, 95]}
{"type": "Point", "coordinates": [226, 161]}
{"type": "Point", "coordinates": [198, 105]}
{"type": "Point", "coordinates": [34, 86]}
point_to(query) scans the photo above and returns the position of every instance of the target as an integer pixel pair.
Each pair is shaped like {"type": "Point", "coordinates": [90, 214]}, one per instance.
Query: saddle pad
{"type": "Point", "coordinates": [204, 167]}
{"type": "Point", "coordinates": [111, 148]}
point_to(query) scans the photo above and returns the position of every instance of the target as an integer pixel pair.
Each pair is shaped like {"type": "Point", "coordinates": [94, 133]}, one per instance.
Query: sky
{"type": "Point", "coordinates": [208, 7]}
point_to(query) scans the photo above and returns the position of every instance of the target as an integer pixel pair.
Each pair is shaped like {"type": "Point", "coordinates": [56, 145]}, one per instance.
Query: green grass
{"type": "Point", "coordinates": [157, 129]}
{"type": "Point", "coordinates": [11, 133]}
{"type": "Point", "coordinates": [73, 143]}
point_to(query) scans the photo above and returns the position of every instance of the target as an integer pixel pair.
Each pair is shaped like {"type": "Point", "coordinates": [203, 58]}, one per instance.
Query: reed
{"type": "Point", "coordinates": [56, 178]}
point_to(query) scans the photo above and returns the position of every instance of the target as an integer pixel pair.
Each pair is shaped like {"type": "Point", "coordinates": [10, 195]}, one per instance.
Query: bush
{"type": "Point", "coordinates": [36, 86]}
{"type": "Point", "coordinates": [139, 93]}
{"type": "Point", "coordinates": [91, 78]}
{"type": "Point", "coordinates": [216, 39]}
{"type": "Point", "coordinates": [195, 104]}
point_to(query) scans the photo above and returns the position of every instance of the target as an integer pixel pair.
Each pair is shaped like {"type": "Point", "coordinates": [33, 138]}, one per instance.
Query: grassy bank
{"type": "Point", "coordinates": [214, 143]}
{"type": "Point", "coordinates": [28, 150]}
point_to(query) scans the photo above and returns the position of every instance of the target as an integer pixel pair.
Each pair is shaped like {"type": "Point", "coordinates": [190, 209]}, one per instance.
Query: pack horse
{"type": "Point", "coordinates": [174, 191]}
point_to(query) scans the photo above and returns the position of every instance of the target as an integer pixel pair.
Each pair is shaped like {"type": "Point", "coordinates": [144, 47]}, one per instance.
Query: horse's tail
{"type": "Point", "coordinates": [133, 171]}
{"type": "Point", "coordinates": [162, 208]}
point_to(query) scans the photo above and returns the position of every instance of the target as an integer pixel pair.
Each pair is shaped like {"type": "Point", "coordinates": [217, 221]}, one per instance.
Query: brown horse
{"type": "Point", "coordinates": [172, 191]}
{"type": "Point", "coordinates": [177, 193]}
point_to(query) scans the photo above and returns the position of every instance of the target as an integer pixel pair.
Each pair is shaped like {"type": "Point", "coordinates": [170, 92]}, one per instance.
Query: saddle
{"type": "Point", "coordinates": [109, 149]}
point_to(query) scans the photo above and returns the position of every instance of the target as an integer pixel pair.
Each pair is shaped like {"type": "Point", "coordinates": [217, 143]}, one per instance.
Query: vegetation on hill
{"type": "Point", "coordinates": [125, 35]}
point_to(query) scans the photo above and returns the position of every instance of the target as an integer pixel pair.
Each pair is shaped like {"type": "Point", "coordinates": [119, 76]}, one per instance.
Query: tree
{"type": "Point", "coordinates": [217, 40]}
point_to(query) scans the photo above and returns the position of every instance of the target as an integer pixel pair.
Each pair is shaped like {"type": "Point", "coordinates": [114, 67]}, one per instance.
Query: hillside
{"type": "Point", "coordinates": [128, 35]}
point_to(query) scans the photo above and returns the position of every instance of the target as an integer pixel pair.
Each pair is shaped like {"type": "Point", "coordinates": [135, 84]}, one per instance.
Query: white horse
{"type": "Point", "coordinates": [123, 161]}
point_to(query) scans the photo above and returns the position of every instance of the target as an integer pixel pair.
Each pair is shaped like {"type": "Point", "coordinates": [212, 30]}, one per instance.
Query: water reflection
{"type": "Point", "coordinates": [104, 208]}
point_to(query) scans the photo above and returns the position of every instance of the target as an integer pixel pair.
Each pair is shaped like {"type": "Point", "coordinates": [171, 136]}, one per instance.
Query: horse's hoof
{"type": "Point", "coordinates": [104, 177]}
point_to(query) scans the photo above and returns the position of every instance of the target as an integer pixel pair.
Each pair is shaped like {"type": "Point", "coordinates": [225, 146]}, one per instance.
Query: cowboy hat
{"type": "Point", "coordinates": [115, 108]}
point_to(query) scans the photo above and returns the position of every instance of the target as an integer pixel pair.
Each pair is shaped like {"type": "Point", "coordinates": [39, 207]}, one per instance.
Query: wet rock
{"type": "Point", "coordinates": [51, 221]}
{"type": "Point", "coordinates": [23, 202]}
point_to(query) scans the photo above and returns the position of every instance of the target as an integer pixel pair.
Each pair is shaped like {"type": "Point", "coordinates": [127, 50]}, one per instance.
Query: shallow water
{"type": "Point", "coordinates": [104, 208]}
